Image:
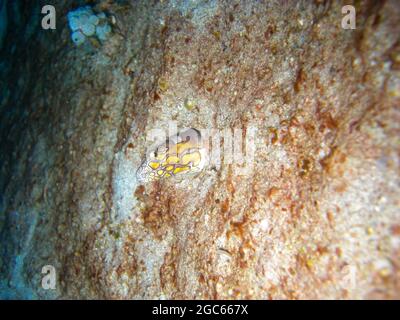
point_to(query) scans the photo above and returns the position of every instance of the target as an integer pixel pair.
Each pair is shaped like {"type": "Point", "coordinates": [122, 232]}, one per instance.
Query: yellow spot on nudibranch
{"type": "Point", "coordinates": [181, 169]}
{"type": "Point", "coordinates": [154, 165]}
{"type": "Point", "coordinates": [172, 160]}
{"type": "Point", "coordinates": [193, 158]}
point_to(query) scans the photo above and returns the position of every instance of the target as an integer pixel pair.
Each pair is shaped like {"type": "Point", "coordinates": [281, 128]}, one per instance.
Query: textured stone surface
{"type": "Point", "coordinates": [318, 217]}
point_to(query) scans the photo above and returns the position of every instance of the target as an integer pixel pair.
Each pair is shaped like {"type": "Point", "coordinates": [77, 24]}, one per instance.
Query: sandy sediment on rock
{"type": "Point", "coordinates": [317, 216]}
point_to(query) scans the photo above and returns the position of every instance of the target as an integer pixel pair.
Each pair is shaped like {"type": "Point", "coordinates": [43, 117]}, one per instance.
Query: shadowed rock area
{"type": "Point", "coordinates": [316, 217]}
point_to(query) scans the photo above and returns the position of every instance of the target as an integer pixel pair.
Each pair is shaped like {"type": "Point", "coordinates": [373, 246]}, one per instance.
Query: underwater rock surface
{"type": "Point", "coordinates": [318, 213]}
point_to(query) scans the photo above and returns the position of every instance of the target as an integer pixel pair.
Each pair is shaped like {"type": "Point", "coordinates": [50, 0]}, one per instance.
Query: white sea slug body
{"type": "Point", "coordinates": [180, 155]}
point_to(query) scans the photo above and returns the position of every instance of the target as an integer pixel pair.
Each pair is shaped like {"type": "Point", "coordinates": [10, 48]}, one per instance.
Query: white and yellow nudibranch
{"type": "Point", "coordinates": [183, 154]}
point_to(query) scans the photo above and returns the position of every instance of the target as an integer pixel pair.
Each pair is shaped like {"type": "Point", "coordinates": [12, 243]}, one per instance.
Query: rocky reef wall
{"type": "Point", "coordinates": [318, 212]}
